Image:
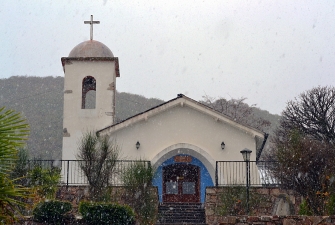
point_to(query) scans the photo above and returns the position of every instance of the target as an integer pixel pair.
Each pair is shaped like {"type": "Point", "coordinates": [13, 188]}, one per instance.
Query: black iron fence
{"type": "Point", "coordinates": [72, 174]}
{"type": "Point", "coordinates": [230, 173]}
{"type": "Point", "coordinates": [227, 173]}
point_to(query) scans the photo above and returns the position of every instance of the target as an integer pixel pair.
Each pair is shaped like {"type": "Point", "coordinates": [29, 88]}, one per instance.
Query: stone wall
{"type": "Point", "coordinates": [76, 194]}
{"type": "Point", "coordinates": [263, 202]}
{"type": "Point", "coordinates": [275, 220]}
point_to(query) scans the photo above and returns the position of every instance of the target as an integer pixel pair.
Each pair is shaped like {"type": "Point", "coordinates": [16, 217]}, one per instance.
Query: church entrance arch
{"type": "Point", "coordinates": [186, 154]}
{"type": "Point", "coordinates": [181, 183]}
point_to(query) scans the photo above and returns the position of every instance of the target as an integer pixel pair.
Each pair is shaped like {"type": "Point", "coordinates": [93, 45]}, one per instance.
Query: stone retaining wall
{"type": "Point", "coordinates": [276, 220]}
{"type": "Point", "coordinates": [76, 194]}
{"type": "Point", "coordinates": [244, 220]}
{"type": "Point", "coordinates": [276, 208]}
{"type": "Point", "coordinates": [270, 201]}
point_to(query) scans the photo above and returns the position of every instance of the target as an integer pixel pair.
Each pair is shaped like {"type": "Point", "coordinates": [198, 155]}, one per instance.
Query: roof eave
{"type": "Point", "coordinates": [67, 60]}
{"type": "Point", "coordinates": [174, 102]}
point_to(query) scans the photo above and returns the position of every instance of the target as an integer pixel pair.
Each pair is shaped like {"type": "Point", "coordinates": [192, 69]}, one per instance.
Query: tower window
{"type": "Point", "coordinates": [88, 93]}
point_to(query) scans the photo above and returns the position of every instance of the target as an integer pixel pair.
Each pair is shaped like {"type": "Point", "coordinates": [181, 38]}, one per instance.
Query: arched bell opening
{"type": "Point", "coordinates": [88, 93]}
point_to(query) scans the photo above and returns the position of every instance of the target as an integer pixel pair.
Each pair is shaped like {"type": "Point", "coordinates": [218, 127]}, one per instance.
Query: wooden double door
{"type": "Point", "coordinates": [181, 183]}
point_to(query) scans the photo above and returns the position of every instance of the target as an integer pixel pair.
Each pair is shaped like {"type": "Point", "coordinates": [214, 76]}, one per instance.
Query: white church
{"type": "Point", "coordinates": [182, 138]}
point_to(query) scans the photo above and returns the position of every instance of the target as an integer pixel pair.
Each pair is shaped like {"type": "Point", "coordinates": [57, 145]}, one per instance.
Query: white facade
{"type": "Point", "coordinates": [184, 126]}
{"type": "Point", "coordinates": [179, 135]}
{"type": "Point", "coordinates": [76, 118]}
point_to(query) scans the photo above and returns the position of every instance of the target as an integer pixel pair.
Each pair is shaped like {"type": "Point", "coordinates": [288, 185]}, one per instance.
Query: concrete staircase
{"type": "Point", "coordinates": [181, 213]}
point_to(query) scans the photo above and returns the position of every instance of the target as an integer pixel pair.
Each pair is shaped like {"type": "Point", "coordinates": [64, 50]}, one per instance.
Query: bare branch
{"type": "Point", "coordinates": [238, 110]}
{"type": "Point", "coordinates": [312, 113]}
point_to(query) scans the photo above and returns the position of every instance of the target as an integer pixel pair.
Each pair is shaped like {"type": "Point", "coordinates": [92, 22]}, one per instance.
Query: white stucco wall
{"type": "Point", "coordinates": [77, 120]}
{"type": "Point", "coordinates": [183, 130]}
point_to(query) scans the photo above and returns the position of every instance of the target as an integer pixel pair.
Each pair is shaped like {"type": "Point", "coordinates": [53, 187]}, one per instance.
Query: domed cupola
{"type": "Point", "coordinates": [90, 48]}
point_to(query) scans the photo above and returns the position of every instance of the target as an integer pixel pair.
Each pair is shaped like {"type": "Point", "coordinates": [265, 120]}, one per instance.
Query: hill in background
{"type": "Point", "coordinates": [40, 100]}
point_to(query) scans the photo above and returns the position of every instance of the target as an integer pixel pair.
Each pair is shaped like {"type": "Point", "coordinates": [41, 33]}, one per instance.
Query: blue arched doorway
{"type": "Point", "coordinates": [184, 179]}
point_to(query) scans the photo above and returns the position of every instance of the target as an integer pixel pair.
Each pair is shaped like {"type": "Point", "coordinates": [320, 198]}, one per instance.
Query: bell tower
{"type": "Point", "coordinates": [90, 73]}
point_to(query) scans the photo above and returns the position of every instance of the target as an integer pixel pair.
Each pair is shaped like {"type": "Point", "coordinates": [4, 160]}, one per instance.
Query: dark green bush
{"type": "Point", "coordinates": [51, 212]}
{"type": "Point", "coordinates": [233, 201]}
{"type": "Point", "coordinates": [304, 209]}
{"type": "Point", "coordinates": [45, 181]}
{"type": "Point", "coordinates": [106, 213]}
{"type": "Point", "coordinates": [331, 205]}
{"type": "Point", "coordinates": [137, 179]}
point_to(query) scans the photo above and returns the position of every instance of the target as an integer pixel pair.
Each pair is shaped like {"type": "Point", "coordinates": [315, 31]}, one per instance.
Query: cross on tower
{"type": "Point", "coordinates": [91, 23]}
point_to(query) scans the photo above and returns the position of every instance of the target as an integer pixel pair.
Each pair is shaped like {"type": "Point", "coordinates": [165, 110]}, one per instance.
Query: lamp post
{"type": "Point", "coordinates": [246, 157]}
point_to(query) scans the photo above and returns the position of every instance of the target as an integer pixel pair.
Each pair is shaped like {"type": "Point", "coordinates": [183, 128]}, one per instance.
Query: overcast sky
{"type": "Point", "coordinates": [268, 51]}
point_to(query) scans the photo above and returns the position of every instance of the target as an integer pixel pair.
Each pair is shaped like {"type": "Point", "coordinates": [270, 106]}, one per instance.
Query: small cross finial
{"type": "Point", "coordinates": [91, 24]}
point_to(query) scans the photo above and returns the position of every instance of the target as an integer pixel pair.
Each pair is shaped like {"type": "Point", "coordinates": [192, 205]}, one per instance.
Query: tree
{"type": "Point", "coordinates": [303, 145]}
{"type": "Point", "coordinates": [312, 113]}
{"type": "Point", "coordinates": [13, 132]}
{"type": "Point", "coordinates": [306, 166]}
{"type": "Point", "coordinates": [21, 168]}
{"type": "Point", "coordinates": [99, 155]}
{"type": "Point", "coordinates": [238, 110]}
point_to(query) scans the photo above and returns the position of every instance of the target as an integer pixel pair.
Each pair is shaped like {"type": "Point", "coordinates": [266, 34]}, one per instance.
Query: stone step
{"type": "Point", "coordinates": [180, 206]}
{"type": "Point", "coordinates": [159, 222]}
{"type": "Point", "coordinates": [181, 223]}
{"type": "Point", "coordinates": [181, 213]}
{"type": "Point", "coordinates": [181, 210]}
{"type": "Point", "coordinates": [181, 216]}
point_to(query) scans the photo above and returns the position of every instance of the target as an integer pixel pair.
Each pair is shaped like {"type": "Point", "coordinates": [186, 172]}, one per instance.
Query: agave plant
{"type": "Point", "coordinates": [13, 132]}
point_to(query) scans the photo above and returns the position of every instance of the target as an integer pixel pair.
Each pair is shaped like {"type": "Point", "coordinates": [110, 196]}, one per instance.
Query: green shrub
{"type": "Point", "coordinates": [51, 212]}
{"type": "Point", "coordinates": [20, 170]}
{"type": "Point", "coordinates": [304, 209]}
{"type": "Point", "coordinates": [106, 213]}
{"type": "Point", "coordinates": [98, 155]}
{"type": "Point", "coordinates": [233, 201]}
{"type": "Point", "coordinates": [137, 179]}
{"type": "Point", "coordinates": [331, 205]}
{"type": "Point", "coordinates": [45, 181]}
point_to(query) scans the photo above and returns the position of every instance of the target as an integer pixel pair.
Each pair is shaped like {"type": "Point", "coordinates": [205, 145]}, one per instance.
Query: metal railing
{"type": "Point", "coordinates": [72, 174]}
{"type": "Point", "coordinates": [227, 173]}
{"type": "Point", "coordinates": [234, 173]}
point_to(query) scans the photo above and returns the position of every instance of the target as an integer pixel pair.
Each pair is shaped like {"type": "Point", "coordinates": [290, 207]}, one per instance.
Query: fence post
{"type": "Point", "coordinates": [106, 164]}
{"type": "Point", "coordinates": [67, 173]}
{"type": "Point", "coordinates": [216, 174]}
{"type": "Point", "coordinates": [149, 165]}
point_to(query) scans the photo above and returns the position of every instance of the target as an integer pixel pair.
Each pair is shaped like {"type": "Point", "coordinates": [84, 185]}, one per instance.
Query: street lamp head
{"type": "Point", "coordinates": [246, 154]}
{"type": "Point", "coordinates": [223, 145]}
{"type": "Point", "coordinates": [137, 145]}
